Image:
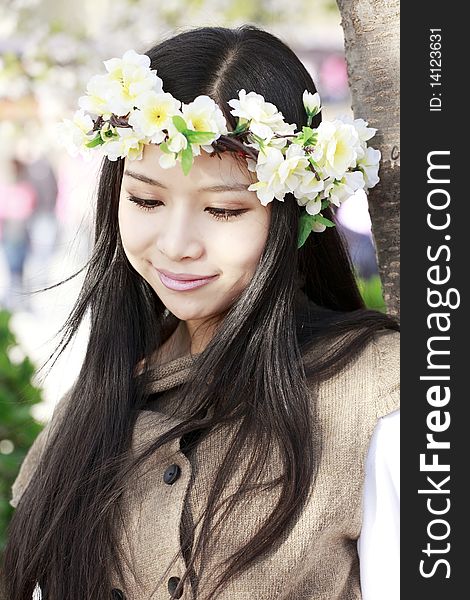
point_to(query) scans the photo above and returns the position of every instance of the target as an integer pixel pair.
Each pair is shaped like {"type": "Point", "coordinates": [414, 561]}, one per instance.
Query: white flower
{"type": "Point", "coordinates": [293, 168]}
{"type": "Point", "coordinates": [337, 148]}
{"type": "Point", "coordinates": [269, 184]}
{"type": "Point", "coordinates": [278, 174]}
{"type": "Point", "coordinates": [318, 227]}
{"type": "Point", "coordinates": [311, 102]}
{"type": "Point", "coordinates": [121, 89]}
{"type": "Point", "coordinates": [108, 132]}
{"type": "Point", "coordinates": [176, 140]}
{"type": "Point", "coordinates": [175, 143]}
{"type": "Point", "coordinates": [156, 111]}
{"type": "Point", "coordinates": [264, 118]}
{"type": "Point", "coordinates": [130, 60]}
{"type": "Point", "coordinates": [167, 161]}
{"type": "Point", "coordinates": [297, 176]}
{"type": "Point", "coordinates": [103, 97]}
{"type": "Point", "coordinates": [309, 186]}
{"type": "Point", "coordinates": [363, 131]}
{"type": "Point", "coordinates": [253, 107]}
{"type": "Point", "coordinates": [369, 165]}
{"type": "Point", "coordinates": [203, 114]}
{"type": "Point", "coordinates": [339, 191]}
{"type": "Point", "coordinates": [133, 74]}
{"type": "Point", "coordinates": [128, 144]}
{"type": "Point", "coordinates": [268, 132]}
{"type": "Point", "coordinates": [72, 134]}
{"type": "Point", "coordinates": [312, 205]}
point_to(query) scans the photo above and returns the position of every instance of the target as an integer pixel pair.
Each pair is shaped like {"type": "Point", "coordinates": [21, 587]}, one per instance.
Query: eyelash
{"type": "Point", "coordinates": [217, 213]}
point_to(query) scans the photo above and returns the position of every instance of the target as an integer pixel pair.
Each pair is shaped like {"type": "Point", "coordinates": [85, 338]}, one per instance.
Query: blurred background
{"type": "Point", "coordinates": [48, 51]}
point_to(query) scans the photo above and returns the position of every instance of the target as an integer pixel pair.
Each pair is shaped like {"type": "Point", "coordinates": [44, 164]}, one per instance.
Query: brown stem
{"type": "Point", "coordinates": [233, 144]}
{"type": "Point", "coordinates": [119, 121]}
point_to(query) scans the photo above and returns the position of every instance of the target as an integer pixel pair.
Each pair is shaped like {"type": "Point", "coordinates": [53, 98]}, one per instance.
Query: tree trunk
{"type": "Point", "coordinates": [371, 40]}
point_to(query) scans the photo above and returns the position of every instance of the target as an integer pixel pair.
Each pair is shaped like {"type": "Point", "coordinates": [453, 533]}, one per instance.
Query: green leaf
{"type": "Point", "coordinates": [325, 204]}
{"type": "Point", "coordinates": [258, 139]}
{"type": "Point", "coordinates": [309, 139]}
{"type": "Point", "coordinates": [312, 140]}
{"type": "Point", "coordinates": [199, 137]}
{"type": "Point", "coordinates": [324, 221]}
{"type": "Point", "coordinates": [308, 133]}
{"type": "Point", "coordinates": [164, 148]}
{"type": "Point", "coordinates": [179, 123]}
{"type": "Point", "coordinates": [187, 159]}
{"type": "Point", "coordinates": [240, 127]}
{"type": "Point", "coordinates": [305, 227]}
{"type": "Point", "coordinates": [97, 141]}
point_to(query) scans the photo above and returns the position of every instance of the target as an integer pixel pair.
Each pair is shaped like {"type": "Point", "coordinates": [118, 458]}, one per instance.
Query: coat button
{"type": "Point", "coordinates": [172, 585]}
{"type": "Point", "coordinates": [117, 594]}
{"type": "Point", "coordinates": [171, 474]}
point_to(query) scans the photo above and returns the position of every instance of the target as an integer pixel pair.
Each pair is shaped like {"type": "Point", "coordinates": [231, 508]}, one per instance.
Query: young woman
{"type": "Point", "coordinates": [229, 433]}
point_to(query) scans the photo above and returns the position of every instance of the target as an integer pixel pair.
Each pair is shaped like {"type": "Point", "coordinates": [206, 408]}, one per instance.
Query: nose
{"type": "Point", "coordinates": [179, 238]}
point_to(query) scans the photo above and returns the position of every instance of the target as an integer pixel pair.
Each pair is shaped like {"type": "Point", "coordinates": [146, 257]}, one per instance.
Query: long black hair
{"type": "Point", "coordinates": [63, 533]}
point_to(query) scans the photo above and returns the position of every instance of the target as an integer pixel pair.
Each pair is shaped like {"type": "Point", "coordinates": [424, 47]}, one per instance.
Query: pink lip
{"type": "Point", "coordinates": [184, 276]}
{"type": "Point", "coordinates": [183, 281]}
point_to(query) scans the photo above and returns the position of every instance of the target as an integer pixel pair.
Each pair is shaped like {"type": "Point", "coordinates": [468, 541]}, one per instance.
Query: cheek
{"type": "Point", "coordinates": [242, 249]}
{"type": "Point", "coordinates": [136, 231]}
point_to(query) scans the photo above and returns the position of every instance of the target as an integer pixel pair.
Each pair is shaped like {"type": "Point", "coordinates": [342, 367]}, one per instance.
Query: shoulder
{"type": "Point", "coordinates": [348, 406]}
{"type": "Point", "coordinates": [387, 358]}
{"type": "Point", "coordinates": [369, 380]}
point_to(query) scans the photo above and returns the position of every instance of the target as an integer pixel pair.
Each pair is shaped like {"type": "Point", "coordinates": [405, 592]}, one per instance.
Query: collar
{"type": "Point", "coordinates": [171, 373]}
{"type": "Point", "coordinates": [172, 363]}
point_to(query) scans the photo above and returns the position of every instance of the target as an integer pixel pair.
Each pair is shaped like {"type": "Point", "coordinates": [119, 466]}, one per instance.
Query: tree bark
{"type": "Point", "coordinates": [371, 40]}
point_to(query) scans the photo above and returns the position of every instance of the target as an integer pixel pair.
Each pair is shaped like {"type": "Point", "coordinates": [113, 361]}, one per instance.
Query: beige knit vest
{"type": "Point", "coordinates": [317, 559]}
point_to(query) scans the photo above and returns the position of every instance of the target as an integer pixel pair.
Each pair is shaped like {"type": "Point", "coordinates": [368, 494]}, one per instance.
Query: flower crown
{"type": "Point", "coordinates": [127, 108]}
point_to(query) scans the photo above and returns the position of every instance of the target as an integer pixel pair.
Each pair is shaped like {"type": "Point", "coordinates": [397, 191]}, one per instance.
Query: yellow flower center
{"type": "Point", "coordinates": [198, 124]}
{"type": "Point", "coordinates": [158, 115]}
{"type": "Point", "coordinates": [125, 91]}
{"type": "Point", "coordinates": [116, 75]}
{"type": "Point", "coordinates": [341, 149]}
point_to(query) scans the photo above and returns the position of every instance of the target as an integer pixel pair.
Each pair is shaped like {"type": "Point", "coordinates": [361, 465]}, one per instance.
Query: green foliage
{"type": "Point", "coordinates": [371, 291]}
{"type": "Point", "coordinates": [306, 222]}
{"type": "Point", "coordinates": [187, 159]}
{"type": "Point", "coordinates": [307, 137]}
{"type": "Point", "coordinates": [164, 148]}
{"type": "Point", "coordinates": [305, 227]}
{"type": "Point", "coordinates": [193, 137]}
{"type": "Point", "coordinates": [18, 429]}
{"type": "Point", "coordinates": [198, 137]}
{"type": "Point", "coordinates": [96, 141]}
{"type": "Point", "coordinates": [179, 123]}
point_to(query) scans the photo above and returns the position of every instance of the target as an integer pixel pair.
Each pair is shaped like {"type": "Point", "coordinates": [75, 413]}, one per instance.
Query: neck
{"type": "Point", "coordinates": [187, 338]}
{"type": "Point", "coordinates": [198, 334]}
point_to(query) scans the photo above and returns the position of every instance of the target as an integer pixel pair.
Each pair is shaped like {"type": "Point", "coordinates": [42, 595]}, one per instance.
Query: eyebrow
{"type": "Point", "coordinates": [234, 187]}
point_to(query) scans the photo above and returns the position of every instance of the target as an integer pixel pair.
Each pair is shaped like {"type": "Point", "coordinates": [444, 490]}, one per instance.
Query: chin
{"type": "Point", "coordinates": [185, 313]}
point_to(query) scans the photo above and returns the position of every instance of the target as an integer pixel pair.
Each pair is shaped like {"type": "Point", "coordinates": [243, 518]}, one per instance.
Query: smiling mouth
{"type": "Point", "coordinates": [183, 284]}
{"type": "Point", "coordinates": [184, 276]}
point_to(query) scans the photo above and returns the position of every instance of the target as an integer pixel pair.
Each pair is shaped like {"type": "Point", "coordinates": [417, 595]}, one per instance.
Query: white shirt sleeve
{"type": "Point", "coordinates": [379, 542]}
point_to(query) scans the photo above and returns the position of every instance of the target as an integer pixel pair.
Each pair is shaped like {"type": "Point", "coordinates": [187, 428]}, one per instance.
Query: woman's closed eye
{"type": "Point", "coordinates": [217, 213]}
{"type": "Point", "coordinates": [144, 204]}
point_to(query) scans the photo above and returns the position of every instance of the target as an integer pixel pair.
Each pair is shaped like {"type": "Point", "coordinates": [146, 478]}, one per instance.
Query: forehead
{"type": "Point", "coordinates": [207, 170]}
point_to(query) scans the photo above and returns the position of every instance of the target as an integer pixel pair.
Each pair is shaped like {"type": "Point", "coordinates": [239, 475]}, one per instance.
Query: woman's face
{"type": "Point", "coordinates": [202, 225]}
